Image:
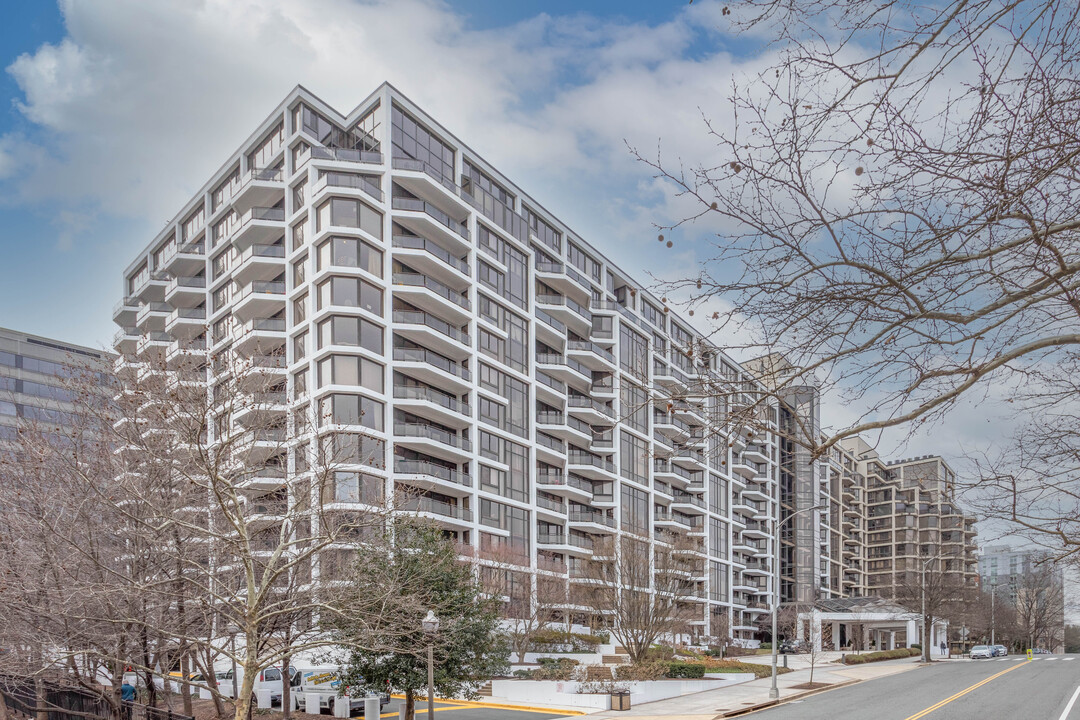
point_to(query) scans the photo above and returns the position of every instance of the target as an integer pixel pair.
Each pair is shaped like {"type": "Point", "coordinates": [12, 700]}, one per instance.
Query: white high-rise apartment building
{"type": "Point", "coordinates": [535, 398]}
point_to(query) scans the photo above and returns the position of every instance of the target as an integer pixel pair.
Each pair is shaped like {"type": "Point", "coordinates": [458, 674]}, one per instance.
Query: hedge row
{"type": "Point", "coordinates": [882, 655]}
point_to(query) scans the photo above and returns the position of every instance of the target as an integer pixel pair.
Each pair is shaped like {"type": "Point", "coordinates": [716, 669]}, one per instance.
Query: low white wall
{"type": "Point", "coordinates": [583, 658]}
{"type": "Point", "coordinates": [565, 694]}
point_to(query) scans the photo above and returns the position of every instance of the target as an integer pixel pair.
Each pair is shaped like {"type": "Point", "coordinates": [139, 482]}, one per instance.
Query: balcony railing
{"type": "Point", "coordinates": [581, 401]}
{"type": "Point", "coordinates": [584, 516]}
{"type": "Point", "coordinates": [585, 346]}
{"type": "Point", "coordinates": [561, 301]}
{"type": "Point", "coordinates": [417, 205]}
{"type": "Point", "coordinates": [400, 163]}
{"type": "Point", "coordinates": [409, 317]}
{"type": "Point", "coordinates": [430, 432]}
{"type": "Point", "coordinates": [350, 180]}
{"type": "Point", "coordinates": [263, 287]}
{"type": "Point", "coordinates": [551, 443]}
{"type": "Point", "coordinates": [580, 457]}
{"type": "Point", "coordinates": [437, 507]}
{"type": "Point", "coordinates": [412, 392]}
{"type": "Point", "coordinates": [418, 280]}
{"type": "Point", "coordinates": [548, 320]}
{"type": "Point", "coordinates": [412, 242]}
{"type": "Point", "coordinates": [346, 155]}
{"type": "Point", "coordinates": [422, 467]}
{"type": "Point", "coordinates": [434, 359]}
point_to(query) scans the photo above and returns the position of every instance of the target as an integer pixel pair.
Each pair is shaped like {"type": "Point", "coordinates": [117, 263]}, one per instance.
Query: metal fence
{"type": "Point", "coordinates": [25, 698]}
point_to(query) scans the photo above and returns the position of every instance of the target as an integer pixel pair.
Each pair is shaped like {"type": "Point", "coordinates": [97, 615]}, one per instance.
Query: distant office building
{"type": "Point", "coordinates": [1002, 571]}
{"type": "Point", "coordinates": [33, 373]}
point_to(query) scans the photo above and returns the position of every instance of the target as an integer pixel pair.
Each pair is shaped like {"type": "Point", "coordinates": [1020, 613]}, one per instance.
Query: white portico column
{"type": "Point", "coordinates": [912, 630]}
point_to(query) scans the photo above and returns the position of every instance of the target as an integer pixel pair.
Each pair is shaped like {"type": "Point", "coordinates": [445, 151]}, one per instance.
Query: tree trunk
{"type": "Point", "coordinates": [185, 687]}
{"type": "Point", "coordinates": [286, 688]}
{"type": "Point", "coordinates": [410, 705]}
{"type": "Point", "coordinates": [39, 700]}
{"type": "Point", "coordinates": [211, 682]}
{"type": "Point", "coordinates": [926, 638]}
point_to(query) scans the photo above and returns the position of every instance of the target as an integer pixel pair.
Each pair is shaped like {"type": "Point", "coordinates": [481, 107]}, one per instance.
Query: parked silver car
{"type": "Point", "coordinates": [1000, 651]}
{"type": "Point", "coordinates": [981, 651]}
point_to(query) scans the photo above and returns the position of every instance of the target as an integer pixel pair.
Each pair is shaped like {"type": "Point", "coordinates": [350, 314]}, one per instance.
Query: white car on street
{"type": "Point", "coordinates": [981, 651]}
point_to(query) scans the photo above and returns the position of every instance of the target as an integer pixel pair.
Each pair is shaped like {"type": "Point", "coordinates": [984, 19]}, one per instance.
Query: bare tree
{"type": "Point", "coordinates": [931, 593]}
{"type": "Point", "coordinates": [1040, 606]}
{"type": "Point", "coordinates": [645, 588]}
{"type": "Point", "coordinates": [192, 514]}
{"type": "Point", "coordinates": [897, 206]}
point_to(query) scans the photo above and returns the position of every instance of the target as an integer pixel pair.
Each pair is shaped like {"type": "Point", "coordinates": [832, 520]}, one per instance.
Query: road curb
{"type": "Point", "coordinates": [562, 712]}
{"type": "Point", "coordinates": [774, 703]}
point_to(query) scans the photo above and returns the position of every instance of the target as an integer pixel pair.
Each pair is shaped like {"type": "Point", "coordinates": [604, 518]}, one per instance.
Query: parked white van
{"type": "Point", "coordinates": [319, 687]}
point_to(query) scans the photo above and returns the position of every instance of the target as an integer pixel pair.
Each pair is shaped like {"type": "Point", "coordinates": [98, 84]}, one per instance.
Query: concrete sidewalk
{"type": "Point", "coordinates": [711, 703]}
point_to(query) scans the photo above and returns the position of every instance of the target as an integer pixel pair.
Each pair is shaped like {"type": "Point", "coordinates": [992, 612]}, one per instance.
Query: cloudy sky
{"type": "Point", "coordinates": [118, 110]}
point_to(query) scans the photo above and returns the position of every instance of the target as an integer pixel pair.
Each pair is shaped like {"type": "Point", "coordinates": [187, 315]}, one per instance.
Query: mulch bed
{"type": "Point", "coordinates": [810, 686]}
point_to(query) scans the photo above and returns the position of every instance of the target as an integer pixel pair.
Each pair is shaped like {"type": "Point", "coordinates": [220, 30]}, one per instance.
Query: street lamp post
{"type": "Point", "coordinates": [431, 626]}
{"type": "Point", "coordinates": [993, 622]}
{"type": "Point", "coordinates": [926, 631]}
{"type": "Point", "coordinates": [774, 693]}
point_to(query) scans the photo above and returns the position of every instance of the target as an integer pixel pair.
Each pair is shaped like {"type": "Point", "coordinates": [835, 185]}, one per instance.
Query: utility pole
{"type": "Point", "coordinates": [993, 622]}
{"type": "Point", "coordinates": [774, 692]}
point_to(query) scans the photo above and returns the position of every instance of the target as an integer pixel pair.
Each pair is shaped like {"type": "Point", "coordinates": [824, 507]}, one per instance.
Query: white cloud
{"type": "Point", "coordinates": [142, 101]}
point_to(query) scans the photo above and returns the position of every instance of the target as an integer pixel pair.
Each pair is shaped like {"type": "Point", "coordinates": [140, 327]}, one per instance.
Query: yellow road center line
{"type": "Point", "coordinates": [423, 710]}
{"type": "Point", "coordinates": [965, 691]}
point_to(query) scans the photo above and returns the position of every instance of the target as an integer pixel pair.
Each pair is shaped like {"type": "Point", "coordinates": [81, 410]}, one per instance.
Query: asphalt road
{"type": "Point", "coordinates": [455, 711]}
{"type": "Point", "coordinates": [1011, 687]}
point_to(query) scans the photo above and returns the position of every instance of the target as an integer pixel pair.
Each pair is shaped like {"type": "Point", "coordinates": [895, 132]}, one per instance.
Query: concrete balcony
{"type": "Point", "coordinates": [186, 291]}
{"type": "Point", "coordinates": [430, 476]}
{"type": "Point", "coordinates": [125, 312]}
{"type": "Point", "coordinates": [153, 346]}
{"type": "Point", "coordinates": [591, 355]}
{"type": "Point", "coordinates": [565, 279]}
{"type": "Point", "coordinates": [260, 336]}
{"type": "Point", "coordinates": [433, 297]}
{"type": "Point", "coordinates": [452, 514]}
{"type": "Point", "coordinates": [186, 322]}
{"type": "Point", "coordinates": [568, 311]}
{"type": "Point", "coordinates": [427, 182]}
{"type": "Point", "coordinates": [589, 410]}
{"type": "Point", "coordinates": [259, 225]}
{"type": "Point", "coordinates": [150, 287]}
{"type": "Point", "coordinates": [185, 353]}
{"type": "Point", "coordinates": [592, 522]}
{"type": "Point", "coordinates": [260, 187]}
{"type": "Point", "coordinates": [565, 369]}
{"type": "Point", "coordinates": [259, 262]}
{"type": "Point", "coordinates": [433, 405]}
{"type": "Point", "coordinates": [590, 466]}
{"type": "Point", "coordinates": [432, 440]}
{"type": "Point", "coordinates": [432, 368]}
{"type": "Point", "coordinates": [126, 340]}
{"type": "Point", "coordinates": [433, 333]}
{"type": "Point", "coordinates": [429, 220]}
{"type": "Point", "coordinates": [152, 316]}
{"type": "Point", "coordinates": [187, 260]}
{"type": "Point", "coordinates": [433, 260]}
{"type": "Point", "coordinates": [565, 486]}
{"type": "Point", "coordinates": [260, 299]}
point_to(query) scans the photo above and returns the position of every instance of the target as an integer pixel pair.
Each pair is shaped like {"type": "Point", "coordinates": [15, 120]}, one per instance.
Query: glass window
{"type": "Point", "coordinates": [350, 252]}
{"type": "Point", "coordinates": [633, 457]}
{"type": "Point", "coordinates": [351, 331]}
{"type": "Point", "coordinates": [342, 409]}
{"type": "Point", "coordinates": [635, 510]}
{"type": "Point", "coordinates": [347, 212]}
{"type": "Point", "coordinates": [351, 292]}
{"type": "Point", "coordinates": [351, 370]}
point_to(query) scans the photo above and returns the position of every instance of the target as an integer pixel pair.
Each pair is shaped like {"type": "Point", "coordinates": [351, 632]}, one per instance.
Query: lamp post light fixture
{"type": "Point", "coordinates": [926, 631]}
{"type": "Point", "coordinates": [993, 595]}
{"type": "Point", "coordinates": [430, 625]}
{"type": "Point", "coordinates": [774, 693]}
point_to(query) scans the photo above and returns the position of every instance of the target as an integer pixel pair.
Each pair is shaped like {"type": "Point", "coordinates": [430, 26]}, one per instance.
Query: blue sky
{"type": "Point", "coordinates": [100, 141]}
